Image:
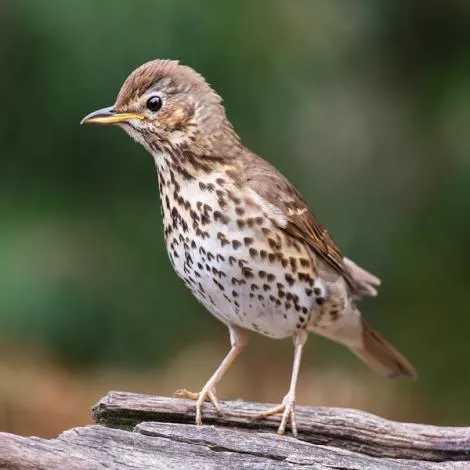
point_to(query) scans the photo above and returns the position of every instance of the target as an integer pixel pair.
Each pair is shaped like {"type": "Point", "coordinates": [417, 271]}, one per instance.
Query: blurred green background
{"type": "Point", "coordinates": [364, 105]}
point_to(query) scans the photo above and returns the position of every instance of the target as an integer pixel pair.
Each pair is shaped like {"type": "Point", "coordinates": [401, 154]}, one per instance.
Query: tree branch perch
{"type": "Point", "coordinates": [145, 432]}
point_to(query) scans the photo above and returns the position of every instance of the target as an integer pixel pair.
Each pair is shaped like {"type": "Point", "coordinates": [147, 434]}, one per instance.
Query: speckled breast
{"type": "Point", "coordinates": [232, 256]}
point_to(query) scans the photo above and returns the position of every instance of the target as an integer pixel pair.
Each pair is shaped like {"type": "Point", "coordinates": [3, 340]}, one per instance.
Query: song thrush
{"type": "Point", "coordinates": [239, 234]}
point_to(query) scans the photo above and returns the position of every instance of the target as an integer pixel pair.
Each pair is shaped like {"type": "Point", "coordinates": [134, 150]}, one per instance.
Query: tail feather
{"type": "Point", "coordinates": [381, 356]}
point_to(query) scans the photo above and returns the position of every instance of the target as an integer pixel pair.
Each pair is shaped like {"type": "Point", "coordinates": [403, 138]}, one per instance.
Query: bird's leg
{"type": "Point", "coordinates": [238, 340]}
{"type": "Point", "coordinates": [287, 407]}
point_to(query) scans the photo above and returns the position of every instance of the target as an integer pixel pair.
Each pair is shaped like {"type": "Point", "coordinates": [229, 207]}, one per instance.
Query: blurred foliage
{"type": "Point", "coordinates": [364, 105]}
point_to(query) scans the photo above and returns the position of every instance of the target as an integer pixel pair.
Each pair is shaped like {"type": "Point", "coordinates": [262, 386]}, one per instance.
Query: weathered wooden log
{"type": "Point", "coordinates": [339, 427]}
{"type": "Point", "coordinates": [145, 432]}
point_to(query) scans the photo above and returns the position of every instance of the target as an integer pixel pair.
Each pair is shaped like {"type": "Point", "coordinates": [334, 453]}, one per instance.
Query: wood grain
{"type": "Point", "coordinates": [137, 432]}
{"type": "Point", "coordinates": [339, 427]}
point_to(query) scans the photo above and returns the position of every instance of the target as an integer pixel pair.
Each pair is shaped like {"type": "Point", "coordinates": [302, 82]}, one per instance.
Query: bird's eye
{"type": "Point", "coordinates": [154, 103]}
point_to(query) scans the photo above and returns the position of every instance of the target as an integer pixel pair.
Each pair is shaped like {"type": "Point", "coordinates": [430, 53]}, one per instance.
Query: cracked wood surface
{"type": "Point", "coordinates": [145, 432]}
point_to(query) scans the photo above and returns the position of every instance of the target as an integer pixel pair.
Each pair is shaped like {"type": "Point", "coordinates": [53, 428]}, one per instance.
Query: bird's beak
{"type": "Point", "coordinates": [109, 116]}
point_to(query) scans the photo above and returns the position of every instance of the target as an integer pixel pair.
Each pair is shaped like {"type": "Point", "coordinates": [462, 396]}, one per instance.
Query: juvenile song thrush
{"type": "Point", "coordinates": [239, 234]}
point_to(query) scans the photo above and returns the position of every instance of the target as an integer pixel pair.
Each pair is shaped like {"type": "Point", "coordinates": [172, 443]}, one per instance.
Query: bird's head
{"type": "Point", "coordinates": [167, 107]}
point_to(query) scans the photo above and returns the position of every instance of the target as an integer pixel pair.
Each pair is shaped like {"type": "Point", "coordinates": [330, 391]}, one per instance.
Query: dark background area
{"type": "Point", "coordinates": [364, 105]}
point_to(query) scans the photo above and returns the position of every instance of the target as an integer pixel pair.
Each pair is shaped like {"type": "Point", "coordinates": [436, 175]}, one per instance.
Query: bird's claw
{"type": "Point", "coordinates": [287, 408]}
{"type": "Point", "coordinates": [200, 398]}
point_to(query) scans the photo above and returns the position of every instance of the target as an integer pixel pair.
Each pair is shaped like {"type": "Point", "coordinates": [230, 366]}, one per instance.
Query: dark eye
{"type": "Point", "coordinates": [154, 103]}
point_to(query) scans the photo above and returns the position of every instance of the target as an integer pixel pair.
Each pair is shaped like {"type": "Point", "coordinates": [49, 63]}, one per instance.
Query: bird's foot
{"type": "Point", "coordinates": [200, 398]}
{"type": "Point", "coordinates": [287, 408]}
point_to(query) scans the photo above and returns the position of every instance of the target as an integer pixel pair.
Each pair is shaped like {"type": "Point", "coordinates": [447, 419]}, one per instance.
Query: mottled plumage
{"type": "Point", "coordinates": [238, 233]}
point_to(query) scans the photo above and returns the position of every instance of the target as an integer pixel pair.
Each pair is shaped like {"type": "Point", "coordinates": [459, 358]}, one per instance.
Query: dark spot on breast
{"type": "Point", "coordinates": [317, 291]}
{"type": "Point", "coordinates": [289, 279]}
{"type": "Point", "coordinates": [306, 277]}
{"type": "Point", "coordinates": [263, 254]}
{"type": "Point", "coordinates": [248, 241]}
{"type": "Point", "coordinates": [247, 272]}
{"type": "Point", "coordinates": [271, 277]}
{"type": "Point", "coordinates": [266, 287]}
{"type": "Point", "coordinates": [272, 243]}
{"type": "Point", "coordinates": [253, 252]}
{"type": "Point", "coordinates": [254, 287]}
{"type": "Point", "coordinates": [262, 274]}
{"type": "Point", "coordinates": [218, 216]}
{"type": "Point", "coordinates": [240, 223]}
{"type": "Point", "coordinates": [293, 264]}
{"type": "Point", "coordinates": [239, 210]}
{"type": "Point", "coordinates": [236, 244]}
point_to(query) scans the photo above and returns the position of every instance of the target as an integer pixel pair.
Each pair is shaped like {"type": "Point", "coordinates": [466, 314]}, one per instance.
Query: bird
{"type": "Point", "coordinates": [238, 233]}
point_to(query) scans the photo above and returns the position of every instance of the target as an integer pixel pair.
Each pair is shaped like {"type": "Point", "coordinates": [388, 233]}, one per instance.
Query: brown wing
{"type": "Point", "coordinates": [273, 187]}
{"type": "Point", "coordinates": [302, 225]}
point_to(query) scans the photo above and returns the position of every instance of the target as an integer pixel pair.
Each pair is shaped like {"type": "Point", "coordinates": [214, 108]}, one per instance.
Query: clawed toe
{"type": "Point", "coordinates": [200, 398]}
{"type": "Point", "coordinates": [287, 408]}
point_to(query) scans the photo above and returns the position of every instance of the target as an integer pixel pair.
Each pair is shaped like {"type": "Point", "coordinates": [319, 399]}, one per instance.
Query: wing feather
{"type": "Point", "coordinates": [298, 221]}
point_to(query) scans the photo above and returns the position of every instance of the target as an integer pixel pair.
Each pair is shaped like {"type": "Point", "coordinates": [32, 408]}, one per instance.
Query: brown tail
{"type": "Point", "coordinates": [381, 356]}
